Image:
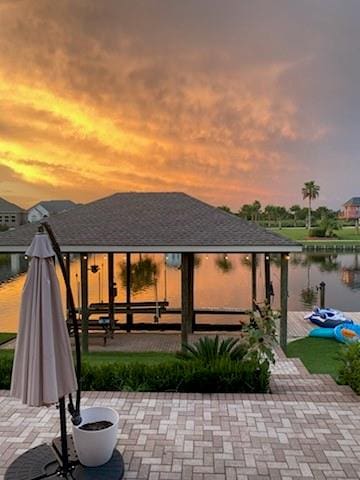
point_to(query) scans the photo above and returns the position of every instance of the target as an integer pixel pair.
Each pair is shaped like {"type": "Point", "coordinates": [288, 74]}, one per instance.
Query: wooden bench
{"type": "Point", "coordinates": [103, 323]}
{"type": "Point", "coordinates": [156, 308]}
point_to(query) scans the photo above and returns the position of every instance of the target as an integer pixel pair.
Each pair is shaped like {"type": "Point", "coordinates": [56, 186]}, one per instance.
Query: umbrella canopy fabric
{"type": "Point", "coordinates": [43, 368]}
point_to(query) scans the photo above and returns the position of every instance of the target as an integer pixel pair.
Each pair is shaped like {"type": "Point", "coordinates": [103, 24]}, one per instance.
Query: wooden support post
{"type": "Point", "coordinates": [84, 303]}
{"type": "Point", "coordinates": [111, 289]}
{"type": "Point", "coordinates": [191, 291]}
{"type": "Point", "coordinates": [67, 267]}
{"type": "Point", "coordinates": [187, 299]}
{"type": "Point", "coordinates": [267, 278]}
{"type": "Point", "coordinates": [284, 299]}
{"type": "Point", "coordinates": [253, 280]}
{"type": "Point", "coordinates": [129, 316]}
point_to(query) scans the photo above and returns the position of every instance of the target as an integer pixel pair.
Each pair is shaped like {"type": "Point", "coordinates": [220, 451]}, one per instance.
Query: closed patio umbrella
{"type": "Point", "coordinates": [43, 368]}
{"type": "Point", "coordinates": [43, 371]}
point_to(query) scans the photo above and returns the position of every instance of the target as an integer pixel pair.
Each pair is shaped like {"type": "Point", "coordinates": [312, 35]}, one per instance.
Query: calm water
{"type": "Point", "coordinates": [220, 281]}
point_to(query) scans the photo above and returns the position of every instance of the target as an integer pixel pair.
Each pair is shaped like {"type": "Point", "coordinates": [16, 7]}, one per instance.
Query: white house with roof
{"type": "Point", "coordinates": [47, 208]}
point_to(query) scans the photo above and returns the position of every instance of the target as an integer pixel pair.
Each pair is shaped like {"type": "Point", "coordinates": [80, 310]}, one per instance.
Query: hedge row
{"type": "Point", "coordinates": [193, 376]}
{"type": "Point", "coordinates": [176, 376]}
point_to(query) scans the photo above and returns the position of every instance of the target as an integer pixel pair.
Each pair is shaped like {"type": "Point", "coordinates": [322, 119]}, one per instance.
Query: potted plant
{"type": "Point", "coordinates": [96, 436]}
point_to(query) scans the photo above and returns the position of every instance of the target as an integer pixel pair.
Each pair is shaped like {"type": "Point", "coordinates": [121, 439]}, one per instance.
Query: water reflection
{"type": "Point", "coordinates": [223, 263]}
{"type": "Point", "coordinates": [11, 265]}
{"type": "Point", "coordinates": [350, 275]}
{"type": "Point", "coordinates": [326, 262]}
{"type": "Point", "coordinates": [246, 261]}
{"type": "Point", "coordinates": [220, 281]}
{"type": "Point", "coordinates": [143, 274]}
{"type": "Point", "coordinates": [309, 297]}
{"type": "Point", "coordinates": [173, 260]}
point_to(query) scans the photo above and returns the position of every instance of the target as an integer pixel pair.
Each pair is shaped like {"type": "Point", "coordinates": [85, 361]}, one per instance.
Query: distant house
{"type": "Point", "coordinates": [10, 214]}
{"type": "Point", "coordinates": [48, 208]}
{"type": "Point", "coordinates": [351, 209]}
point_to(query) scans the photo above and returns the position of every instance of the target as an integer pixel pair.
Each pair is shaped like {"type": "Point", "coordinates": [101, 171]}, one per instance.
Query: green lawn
{"type": "Point", "coordinates": [123, 357]}
{"type": "Point", "coordinates": [5, 337]}
{"type": "Point", "coordinates": [128, 357]}
{"type": "Point", "coordinates": [319, 355]}
{"type": "Point", "coordinates": [345, 236]}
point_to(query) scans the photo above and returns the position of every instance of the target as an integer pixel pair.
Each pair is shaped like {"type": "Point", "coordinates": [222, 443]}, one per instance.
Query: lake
{"type": "Point", "coordinates": [220, 281]}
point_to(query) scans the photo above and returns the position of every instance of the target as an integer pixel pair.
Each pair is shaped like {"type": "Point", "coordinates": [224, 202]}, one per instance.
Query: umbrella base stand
{"type": "Point", "coordinates": [44, 462]}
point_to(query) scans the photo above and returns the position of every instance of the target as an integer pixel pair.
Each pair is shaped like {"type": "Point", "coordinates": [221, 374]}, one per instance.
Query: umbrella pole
{"type": "Point", "coordinates": [74, 410]}
{"type": "Point", "coordinates": [64, 445]}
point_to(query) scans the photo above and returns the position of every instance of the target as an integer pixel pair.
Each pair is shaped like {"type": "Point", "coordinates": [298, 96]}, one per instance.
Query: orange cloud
{"type": "Point", "coordinates": [92, 105]}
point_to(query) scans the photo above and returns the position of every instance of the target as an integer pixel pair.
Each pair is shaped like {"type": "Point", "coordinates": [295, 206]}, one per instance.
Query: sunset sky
{"type": "Point", "coordinates": [227, 100]}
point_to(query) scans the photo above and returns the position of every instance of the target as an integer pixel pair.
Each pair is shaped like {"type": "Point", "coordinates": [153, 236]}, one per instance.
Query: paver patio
{"type": "Point", "coordinates": [309, 427]}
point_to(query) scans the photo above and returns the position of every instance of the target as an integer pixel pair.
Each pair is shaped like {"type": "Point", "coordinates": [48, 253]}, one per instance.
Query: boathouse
{"type": "Point", "coordinates": [158, 223]}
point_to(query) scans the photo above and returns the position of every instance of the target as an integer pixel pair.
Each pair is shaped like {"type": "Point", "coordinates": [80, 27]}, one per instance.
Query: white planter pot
{"type": "Point", "coordinates": [94, 448]}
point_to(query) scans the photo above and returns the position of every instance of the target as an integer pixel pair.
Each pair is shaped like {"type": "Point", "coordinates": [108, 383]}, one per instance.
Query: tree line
{"type": "Point", "coordinates": [275, 215]}
{"type": "Point", "coordinates": [295, 216]}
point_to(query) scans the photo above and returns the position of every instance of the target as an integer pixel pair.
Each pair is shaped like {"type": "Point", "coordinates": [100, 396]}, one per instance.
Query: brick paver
{"type": "Point", "coordinates": [308, 427]}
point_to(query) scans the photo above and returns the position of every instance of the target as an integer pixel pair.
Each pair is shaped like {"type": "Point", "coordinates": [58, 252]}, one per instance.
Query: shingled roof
{"type": "Point", "coordinates": [151, 222]}
{"type": "Point", "coordinates": [8, 207]}
{"type": "Point", "coordinates": [354, 201]}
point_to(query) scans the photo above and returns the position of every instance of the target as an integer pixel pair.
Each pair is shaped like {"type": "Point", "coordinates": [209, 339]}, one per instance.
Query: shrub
{"type": "Point", "coordinates": [6, 362]}
{"type": "Point", "coordinates": [317, 232]}
{"type": "Point", "coordinates": [260, 335]}
{"type": "Point", "coordinates": [349, 373]}
{"type": "Point", "coordinates": [210, 349]}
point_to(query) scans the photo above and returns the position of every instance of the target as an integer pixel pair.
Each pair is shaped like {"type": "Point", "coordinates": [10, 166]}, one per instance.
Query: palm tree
{"type": "Point", "coordinates": [246, 211]}
{"type": "Point", "coordinates": [256, 208]}
{"type": "Point", "coordinates": [269, 212]}
{"type": "Point", "coordinates": [310, 191]}
{"type": "Point", "coordinates": [280, 213]}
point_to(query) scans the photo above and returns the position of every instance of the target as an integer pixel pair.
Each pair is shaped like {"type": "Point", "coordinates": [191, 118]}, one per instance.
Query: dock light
{"type": "Point", "coordinates": [267, 257]}
{"type": "Point", "coordinates": [206, 257]}
{"type": "Point", "coordinates": [247, 257]}
{"type": "Point", "coordinates": [226, 256]}
{"type": "Point", "coordinates": [85, 257]}
{"type": "Point", "coordinates": [287, 257]}
{"type": "Point", "coordinates": [26, 257]}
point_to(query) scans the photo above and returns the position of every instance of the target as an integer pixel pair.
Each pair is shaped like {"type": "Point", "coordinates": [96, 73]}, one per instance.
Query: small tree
{"type": "Point", "coordinates": [225, 208]}
{"type": "Point", "coordinates": [281, 214]}
{"type": "Point", "coordinates": [269, 212]}
{"type": "Point", "coordinates": [256, 207]}
{"type": "Point", "coordinates": [295, 210]}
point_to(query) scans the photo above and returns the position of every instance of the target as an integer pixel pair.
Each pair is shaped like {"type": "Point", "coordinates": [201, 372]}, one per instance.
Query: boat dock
{"type": "Point", "coordinates": [299, 328]}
